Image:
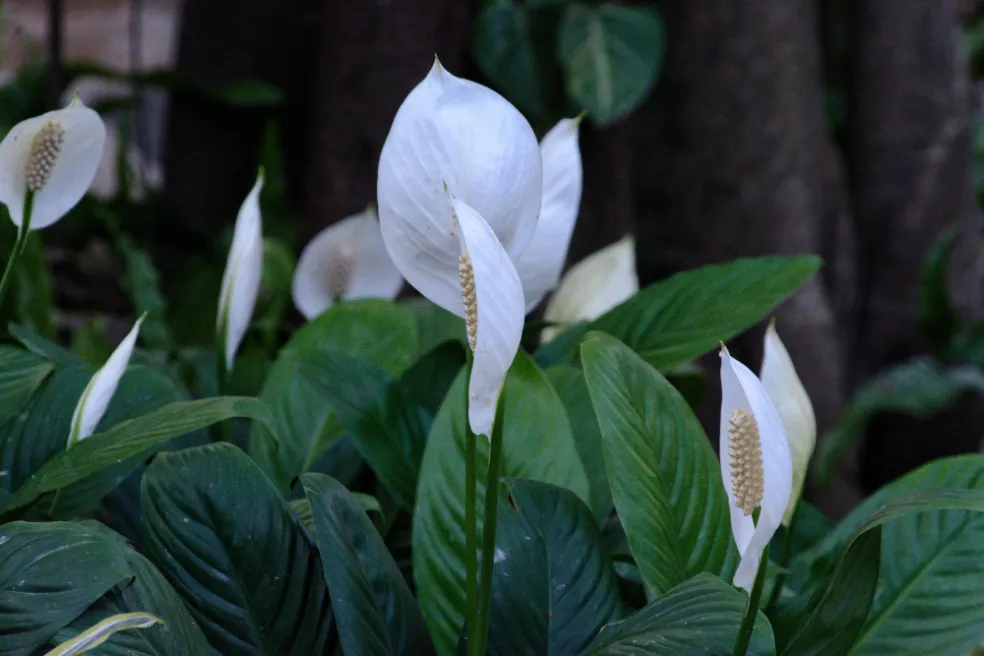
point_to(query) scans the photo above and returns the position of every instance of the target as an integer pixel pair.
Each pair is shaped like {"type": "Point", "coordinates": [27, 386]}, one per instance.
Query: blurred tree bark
{"type": "Point", "coordinates": [910, 172]}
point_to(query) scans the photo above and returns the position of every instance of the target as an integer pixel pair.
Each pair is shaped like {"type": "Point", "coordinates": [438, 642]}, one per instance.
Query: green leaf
{"type": "Point", "coordinates": [572, 389]}
{"type": "Point", "coordinates": [611, 56]}
{"type": "Point", "coordinates": [699, 616]}
{"type": "Point", "coordinates": [49, 574]}
{"type": "Point", "coordinates": [664, 476]}
{"type": "Point", "coordinates": [21, 373]}
{"type": "Point", "coordinates": [537, 445]}
{"type": "Point", "coordinates": [505, 53]}
{"type": "Point", "coordinates": [102, 631]}
{"type": "Point", "coordinates": [919, 387]}
{"type": "Point", "coordinates": [142, 284]}
{"type": "Point", "coordinates": [35, 343]}
{"type": "Point", "coordinates": [131, 438]}
{"type": "Point", "coordinates": [554, 586]}
{"type": "Point", "coordinates": [35, 300]}
{"type": "Point", "coordinates": [675, 320]}
{"type": "Point", "coordinates": [379, 333]}
{"type": "Point", "coordinates": [149, 592]}
{"type": "Point", "coordinates": [839, 611]}
{"type": "Point", "coordinates": [302, 507]}
{"type": "Point", "coordinates": [217, 529]}
{"type": "Point", "coordinates": [435, 325]}
{"type": "Point", "coordinates": [928, 598]}
{"type": "Point", "coordinates": [375, 611]}
{"type": "Point", "coordinates": [275, 294]}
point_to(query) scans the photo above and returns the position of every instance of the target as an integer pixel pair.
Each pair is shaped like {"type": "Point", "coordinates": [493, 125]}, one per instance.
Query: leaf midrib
{"type": "Point", "coordinates": [919, 573]}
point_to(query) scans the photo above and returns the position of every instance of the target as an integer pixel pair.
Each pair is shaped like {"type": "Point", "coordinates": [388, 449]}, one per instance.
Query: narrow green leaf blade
{"type": "Point", "coordinates": [103, 631]}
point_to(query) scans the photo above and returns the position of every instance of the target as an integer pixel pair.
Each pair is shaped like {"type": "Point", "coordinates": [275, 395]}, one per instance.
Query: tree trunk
{"type": "Point", "coordinates": [911, 176]}
{"type": "Point", "coordinates": [371, 56]}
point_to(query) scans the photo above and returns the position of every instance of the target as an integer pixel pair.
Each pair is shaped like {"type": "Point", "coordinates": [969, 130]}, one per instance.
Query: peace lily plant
{"type": "Point", "coordinates": [369, 437]}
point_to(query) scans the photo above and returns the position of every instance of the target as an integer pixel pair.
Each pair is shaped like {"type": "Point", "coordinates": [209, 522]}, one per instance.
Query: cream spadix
{"type": "Point", "coordinates": [55, 156]}
{"type": "Point", "coordinates": [594, 285]}
{"type": "Point", "coordinates": [788, 395]}
{"type": "Point", "coordinates": [241, 279]}
{"type": "Point", "coordinates": [755, 464]}
{"type": "Point", "coordinates": [102, 386]}
{"type": "Point", "coordinates": [346, 260]}
{"type": "Point", "coordinates": [541, 264]}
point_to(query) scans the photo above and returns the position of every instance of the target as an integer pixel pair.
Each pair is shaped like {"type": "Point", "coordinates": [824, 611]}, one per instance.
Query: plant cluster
{"type": "Point", "coordinates": [410, 480]}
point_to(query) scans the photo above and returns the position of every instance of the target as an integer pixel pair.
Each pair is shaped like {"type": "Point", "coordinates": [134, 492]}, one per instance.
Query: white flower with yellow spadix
{"type": "Point", "coordinates": [99, 392]}
{"type": "Point", "coordinates": [459, 193]}
{"type": "Point", "coordinates": [346, 260]}
{"type": "Point", "coordinates": [53, 157]}
{"type": "Point", "coordinates": [541, 264]}
{"type": "Point", "coordinates": [241, 279]}
{"type": "Point", "coordinates": [755, 464]}
{"type": "Point", "coordinates": [787, 393]}
{"type": "Point", "coordinates": [593, 286]}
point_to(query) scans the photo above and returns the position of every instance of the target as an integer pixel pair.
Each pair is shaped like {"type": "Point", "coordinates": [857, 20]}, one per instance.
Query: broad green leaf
{"type": "Point", "coordinates": [675, 320]}
{"type": "Point", "coordinates": [435, 325]}
{"type": "Point", "coordinates": [537, 445]}
{"type": "Point", "coordinates": [928, 599]}
{"type": "Point", "coordinates": [505, 51]}
{"type": "Point", "coordinates": [842, 604]}
{"type": "Point", "coordinates": [219, 532]}
{"type": "Point", "coordinates": [554, 585]}
{"type": "Point", "coordinates": [379, 333]}
{"type": "Point", "coordinates": [375, 612]}
{"type": "Point", "coordinates": [40, 430]}
{"type": "Point", "coordinates": [302, 507]}
{"type": "Point", "coordinates": [134, 437]}
{"type": "Point", "coordinates": [49, 574]}
{"type": "Point", "coordinates": [611, 55]}
{"type": "Point", "coordinates": [699, 616]}
{"type": "Point", "coordinates": [569, 383]}
{"type": "Point", "coordinates": [664, 476]}
{"type": "Point", "coordinates": [21, 373]}
{"type": "Point", "coordinates": [37, 344]}
{"type": "Point", "coordinates": [102, 631]}
{"type": "Point", "coordinates": [149, 591]}
{"type": "Point", "coordinates": [919, 387]}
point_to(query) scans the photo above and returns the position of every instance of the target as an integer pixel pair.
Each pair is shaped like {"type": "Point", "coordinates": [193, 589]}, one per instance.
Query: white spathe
{"type": "Point", "coordinates": [73, 171]}
{"type": "Point", "coordinates": [742, 390]}
{"type": "Point", "coordinates": [594, 286]}
{"type": "Point", "coordinates": [541, 264]}
{"type": "Point", "coordinates": [499, 300]}
{"type": "Point", "coordinates": [99, 392]}
{"type": "Point", "coordinates": [788, 395]}
{"type": "Point", "coordinates": [453, 135]}
{"type": "Point", "coordinates": [346, 260]}
{"type": "Point", "coordinates": [241, 279]}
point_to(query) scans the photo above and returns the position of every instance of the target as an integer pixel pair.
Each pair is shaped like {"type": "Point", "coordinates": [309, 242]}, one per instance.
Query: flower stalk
{"type": "Point", "coordinates": [471, 538]}
{"type": "Point", "coordinates": [747, 626]}
{"type": "Point", "coordinates": [23, 232]}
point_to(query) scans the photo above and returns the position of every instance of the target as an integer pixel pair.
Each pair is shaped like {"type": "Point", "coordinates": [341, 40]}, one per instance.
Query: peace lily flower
{"type": "Point", "coordinates": [55, 156]}
{"type": "Point", "coordinates": [241, 279]}
{"type": "Point", "coordinates": [541, 264]}
{"type": "Point", "coordinates": [594, 286]}
{"type": "Point", "coordinates": [793, 405]}
{"type": "Point", "coordinates": [755, 464]}
{"type": "Point", "coordinates": [459, 192]}
{"type": "Point", "coordinates": [345, 260]}
{"type": "Point", "coordinates": [99, 392]}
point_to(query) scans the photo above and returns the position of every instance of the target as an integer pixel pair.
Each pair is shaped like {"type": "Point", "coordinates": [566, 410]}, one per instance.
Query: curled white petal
{"type": "Point", "coordinates": [99, 392]}
{"type": "Point", "coordinates": [241, 279]}
{"type": "Point", "coordinates": [348, 259]}
{"type": "Point", "coordinates": [594, 285]}
{"type": "Point", "coordinates": [742, 390]}
{"type": "Point", "coordinates": [501, 311]}
{"type": "Point", "coordinates": [787, 393]}
{"type": "Point", "coordinates": [73, 171]}
{"type": "Point", "coordinates": [455, 135]}
{"type": "Point", "coordinates": [541, 264]}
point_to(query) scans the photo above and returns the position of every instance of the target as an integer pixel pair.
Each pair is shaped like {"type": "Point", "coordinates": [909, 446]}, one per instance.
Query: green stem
{"type": "Point", "coordinates": [23, 232]}
{"type": "Point", "coordinates": [471, 539]}
{"type": "Point", "coordinates": [752, 607]}
{"type": "Point", "coordinates": [489, 525]}
{"type": "Point", "coordinates": [784, 557]}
